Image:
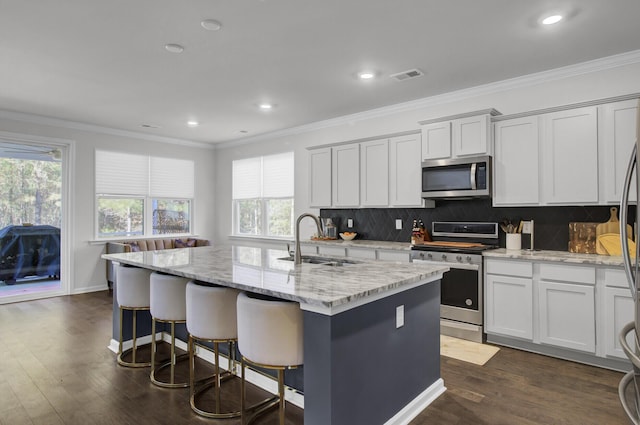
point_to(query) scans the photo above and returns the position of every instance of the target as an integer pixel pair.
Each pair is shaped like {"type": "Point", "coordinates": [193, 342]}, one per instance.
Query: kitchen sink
{"type": "Point", "coordinates": [325, 261]}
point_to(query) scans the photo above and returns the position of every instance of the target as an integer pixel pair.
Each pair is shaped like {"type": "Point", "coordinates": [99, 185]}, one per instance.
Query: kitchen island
{"type": "Point", "coordinates": [372, 351]}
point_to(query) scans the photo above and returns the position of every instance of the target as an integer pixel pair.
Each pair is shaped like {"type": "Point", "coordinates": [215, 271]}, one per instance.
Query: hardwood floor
{"type": "Point", "coordinates": [55, 368]}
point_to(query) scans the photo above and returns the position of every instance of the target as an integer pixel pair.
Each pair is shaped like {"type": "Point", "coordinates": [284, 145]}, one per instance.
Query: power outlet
{"type": "Point", "coordinates": [526, 227]}
{"type": "Point", "coordinates": [349, 223]}
{"type": "Point", "coordinates": [398, 224]}
{"type": "Point", "coordinates": [399, 316]}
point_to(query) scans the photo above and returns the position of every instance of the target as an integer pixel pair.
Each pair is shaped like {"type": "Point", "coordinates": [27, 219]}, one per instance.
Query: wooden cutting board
{"type": "Point", "coordinates": [611, 226]}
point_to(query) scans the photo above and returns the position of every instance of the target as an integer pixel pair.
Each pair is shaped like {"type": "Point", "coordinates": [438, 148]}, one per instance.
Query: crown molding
{"type": "Point", "coordinates": [615, 61]}
{"type": "Point", "coordinates": [57, 122]}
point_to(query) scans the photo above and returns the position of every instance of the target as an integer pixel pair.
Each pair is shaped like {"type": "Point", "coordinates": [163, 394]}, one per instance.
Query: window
{"type": "Point", "coordinates": [139, 195]}
{"type": "Point", "coordinates": [263, 196]}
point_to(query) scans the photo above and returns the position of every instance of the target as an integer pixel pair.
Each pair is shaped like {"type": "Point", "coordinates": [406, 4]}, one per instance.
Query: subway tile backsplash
{"type": "Point", "coordinates": [551, 224]}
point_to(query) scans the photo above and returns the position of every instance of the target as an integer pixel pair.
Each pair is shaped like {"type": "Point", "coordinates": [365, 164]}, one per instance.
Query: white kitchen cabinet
{"type": "Point", "coordinates": [398, 256]}
{"type": "Point", "coordinates": [516, 162]}
{"type": "Point", "coordinates": [618, 311]}
{"type": "Point", "coordinates": [374, 173]}
{"type": "Point", "coordinates": [465, 135]}
{"type": "Point", "coordinates": [366, 253]}
{"type": "Point", "coordinates": [320, 178]}
{"type": "Point", "coordinates": [616, 140]}
{"type": "Point", "coordinates": [509, 298]}
{"type": "Point", "coordinates": [566, 296]}
{"type": "Point", "coordinates": [331, 251]}
{"type": "Point", "coordinates": [405, 171]}
{"type": "Point", "coordinates": [509, 306]}
{"type": "Point", "coordinates": [570, 156]}
{"type": "Point", "coordinates": [436, 140]}
{"type": "Point", "coordinates": [345, 173]}
{"type": "Point", "coordinates": [471, 136]}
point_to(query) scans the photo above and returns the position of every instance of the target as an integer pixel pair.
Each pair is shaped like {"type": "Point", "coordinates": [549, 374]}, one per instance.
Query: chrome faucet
{"type": "Point", "coordinates": [297, 259]}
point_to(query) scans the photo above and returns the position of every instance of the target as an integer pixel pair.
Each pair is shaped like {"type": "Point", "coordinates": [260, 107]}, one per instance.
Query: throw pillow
{"type": "Point", "coordinates": [134, 247]}
{"type": "Point", "coordinates": [180, 243]}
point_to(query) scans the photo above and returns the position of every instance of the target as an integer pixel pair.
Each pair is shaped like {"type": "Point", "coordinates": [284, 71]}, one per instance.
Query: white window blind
{"type": "Point", "coordinates": [247, 178]}
{"type": "Point", "coordinates": [121, 173]}
{"type": "Point", "coordinates": [171, 178]}
{"type": "Point", "coordinates": [277, 175]}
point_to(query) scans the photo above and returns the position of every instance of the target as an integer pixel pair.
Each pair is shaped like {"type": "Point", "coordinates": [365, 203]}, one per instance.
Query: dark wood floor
{"type": "Point", "coordinates": [55, 369]}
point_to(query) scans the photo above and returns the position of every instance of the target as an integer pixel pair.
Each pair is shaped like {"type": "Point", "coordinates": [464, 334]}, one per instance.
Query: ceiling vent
{"type": "Point", "coordinates": [406, 75]}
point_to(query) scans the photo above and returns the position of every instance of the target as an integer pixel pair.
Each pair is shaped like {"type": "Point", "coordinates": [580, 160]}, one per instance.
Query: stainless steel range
{"type": "Point", "coordinates": [459, 245]}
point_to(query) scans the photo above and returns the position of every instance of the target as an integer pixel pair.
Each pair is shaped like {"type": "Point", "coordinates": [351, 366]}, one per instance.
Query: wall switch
{"type": "Point", "coordinates": [398, 224]}
{"type": "Point", "coordinates": [399, 316]}
{"type": "Point", "coordinates": [349, 223]}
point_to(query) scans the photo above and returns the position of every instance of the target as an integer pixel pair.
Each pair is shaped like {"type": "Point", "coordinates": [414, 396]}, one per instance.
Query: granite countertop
{"type": "Point", "coordinates": [320, 287]}
{"type": "Point", "coordinates": [559, 256]}
{"type": "Point", "coordinates": [362, 243]}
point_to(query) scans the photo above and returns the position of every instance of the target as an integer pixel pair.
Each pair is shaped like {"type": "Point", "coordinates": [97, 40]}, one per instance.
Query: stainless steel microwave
{"type": "Point", "coordinates": [457, 178]}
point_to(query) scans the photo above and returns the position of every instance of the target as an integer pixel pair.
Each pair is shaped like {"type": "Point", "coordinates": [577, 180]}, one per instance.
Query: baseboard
{"type": "Point", "coordinates": [87, 289]}
{"type": "Point", "coordinates": [418, 404]}
{"type": "Point", "coordinates": [256, 378]}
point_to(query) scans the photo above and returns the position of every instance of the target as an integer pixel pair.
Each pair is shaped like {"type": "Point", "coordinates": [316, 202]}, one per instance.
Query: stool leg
{"type": "Point", "coordinates": [135, 331]}
{"type": "Point", "coordinates": [153, 346]}
{"type": "Point", "coordinates": [281, 394]}
{"type": "Point", "coordinates": [192, 366]}
{"type": "Point", "coordinates": [242, 391]}
{"type": "Point", "coordinates": [173, 352]}
{"type": "Point", "coordinates": [121, 319]}
{"type": "Point", "coordinates": [216, 371]}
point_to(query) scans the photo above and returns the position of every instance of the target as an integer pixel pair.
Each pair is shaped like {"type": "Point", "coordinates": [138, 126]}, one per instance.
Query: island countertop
{"type": "Point", "coordinates": [317, 287]}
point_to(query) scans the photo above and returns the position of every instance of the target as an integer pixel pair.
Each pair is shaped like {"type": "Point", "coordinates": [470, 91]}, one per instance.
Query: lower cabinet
{"type": "Point", "coordinates": [567, 315]}
{"type": "Point", "coordinates": [509, 306]}
{"type": "Point", "coordinates": [618, 311]}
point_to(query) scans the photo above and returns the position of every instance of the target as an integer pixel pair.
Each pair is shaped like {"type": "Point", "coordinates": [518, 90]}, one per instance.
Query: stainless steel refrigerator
{"type": "Point", "coordinates": [630, 384]}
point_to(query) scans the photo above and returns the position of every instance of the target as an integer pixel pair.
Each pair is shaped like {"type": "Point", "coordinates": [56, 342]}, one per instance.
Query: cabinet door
{"type": "Point", "coordinates": [618, 311]}
{"type": "Point", "coordinates": [436, 140]}
{"type": "Point", "coordinates": [405, 171]}
{"type": "Point", "coordinates": [345, 182]}
{"type": "Point", "coordinates": [570, 152]}
{"type": "Point", "coordinates": [471, 136]}
{"type": "Point", "coordinates": [567, 315]}
{"type": "Point", "coordinates": [374, 173]}
{"type": "Point", "coordinates": [618, 135]}
{"type": "Point", "coordinates": [515, 163]}
{"type": "Point", "coordinates": [320, 177]}
{"type": "Point", "coordinates": [509, 306]}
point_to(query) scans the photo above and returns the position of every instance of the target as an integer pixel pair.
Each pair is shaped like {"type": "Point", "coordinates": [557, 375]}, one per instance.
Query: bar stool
{"type": "Point", "coordinates": [270, 335]}
{"type": "Point", "coordinates": [211, 317]}
{"type": "Point", "coordinates": [168, 305]}
{"type": "Point", "coordinates": [132, 294]}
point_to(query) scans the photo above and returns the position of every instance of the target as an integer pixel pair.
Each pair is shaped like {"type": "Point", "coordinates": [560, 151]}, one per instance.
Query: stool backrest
{"type": "Point", "coordinates": [211, 311]}
{"type": "Point", "coordinates": [132, 286]}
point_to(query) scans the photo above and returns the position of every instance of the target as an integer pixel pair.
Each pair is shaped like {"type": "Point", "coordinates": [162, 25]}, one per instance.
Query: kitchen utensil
{"type": "Point", "coordinates": [610, 227]}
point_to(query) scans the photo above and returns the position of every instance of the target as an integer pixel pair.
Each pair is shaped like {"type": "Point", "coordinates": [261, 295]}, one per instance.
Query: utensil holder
{"type": "Point", "coordinates": [514, 241]}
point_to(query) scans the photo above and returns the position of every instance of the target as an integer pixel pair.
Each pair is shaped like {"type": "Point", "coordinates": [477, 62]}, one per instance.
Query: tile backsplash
{"type": "Point", "coordinates": [551, 224]}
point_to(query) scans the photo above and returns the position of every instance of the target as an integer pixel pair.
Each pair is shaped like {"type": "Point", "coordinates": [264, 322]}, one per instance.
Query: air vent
{"type": "Point", "coordinates": [406, 75]}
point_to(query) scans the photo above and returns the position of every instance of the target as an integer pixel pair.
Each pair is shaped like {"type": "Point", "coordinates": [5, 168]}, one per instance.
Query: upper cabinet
{"type": "Point", "coordinates": [458, 136]}
{"type": "Point", "coordinates": [345, 175]}
{"type": "Point", "coordinates": [515, 162]}
{"type": "Point", "coordinates": [385, 172]}
{"type": "Point", "coordinates": [320, 178]}
{"type": "Point", "coordinates": [616, 139]}
{"type": "Point", "coordinates": [570, 156]}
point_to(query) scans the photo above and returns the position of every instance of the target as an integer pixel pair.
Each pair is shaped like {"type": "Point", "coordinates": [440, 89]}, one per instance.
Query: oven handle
{"type": "Point", "coordinates": [474, 185]}
{"type": "Point", "coordinates": [463, 266]}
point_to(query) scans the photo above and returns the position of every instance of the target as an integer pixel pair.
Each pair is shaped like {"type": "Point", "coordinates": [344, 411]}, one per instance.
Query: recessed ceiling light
{"type": "Point", "coordinates": [173, 48]}
{"type": "Point", "coordinates": [149, 126]}
{"type": "Point", "coordinates": [265, 106]}
{"type": "Point", "coordinates": [366, 75]}
{"type": "Point", "coordinates": [553, 19]}
{"type": "Point", "coordinates": [244, 131]}
{"type": "Point", "coordinates": [193, 123]}
{"type": "Point", "coordinates": [211, 24]}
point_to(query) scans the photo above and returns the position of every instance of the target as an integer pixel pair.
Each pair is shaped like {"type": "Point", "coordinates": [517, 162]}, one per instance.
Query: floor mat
{"type": "Point", "coordinates": [467, 351]}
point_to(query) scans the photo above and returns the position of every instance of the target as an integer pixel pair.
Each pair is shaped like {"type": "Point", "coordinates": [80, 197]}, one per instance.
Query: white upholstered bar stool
{"type": "Point", "coordinates": [211, 317]}
{"type": "Point", "coordinates": [270, 335]}
{"type": "Point", "coordinates": [168, 305]}
{"type": "Point", "coordinates": [132, 293]}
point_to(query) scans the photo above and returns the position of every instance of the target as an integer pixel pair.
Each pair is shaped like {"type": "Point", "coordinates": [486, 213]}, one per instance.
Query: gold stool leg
{"type": "Point", "coordinates": [153, 346]}
{"type": "Point", "coordinates": [281, 395]}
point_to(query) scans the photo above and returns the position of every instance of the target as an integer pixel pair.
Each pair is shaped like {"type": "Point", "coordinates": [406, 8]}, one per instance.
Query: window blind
{"type": "Point", "coordinates": [247, 179]}
{"type": "Point", "coordinates": [121, 173]}
{"type": "Point", "coordinates": [277, 176]}
{"type": "Point", "coordinates": [171, 178]}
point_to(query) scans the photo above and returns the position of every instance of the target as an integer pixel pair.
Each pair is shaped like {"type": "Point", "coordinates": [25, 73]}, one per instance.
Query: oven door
{"type": "Point", "coordinates": [461, 294]}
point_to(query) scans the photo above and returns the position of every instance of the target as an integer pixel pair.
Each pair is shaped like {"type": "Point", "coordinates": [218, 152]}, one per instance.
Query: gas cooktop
{"type": "Point", "coordinates": [466, 237]}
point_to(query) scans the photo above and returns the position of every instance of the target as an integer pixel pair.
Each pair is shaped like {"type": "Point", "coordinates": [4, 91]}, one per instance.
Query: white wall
{"type": "Point", "coordinates": [88, 269]}
{"type": "Point", "coordinates": [555, 88]}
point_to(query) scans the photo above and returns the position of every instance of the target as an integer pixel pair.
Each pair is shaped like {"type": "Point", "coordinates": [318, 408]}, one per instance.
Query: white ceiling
{"type": "Point", "coordinates": [104, 63]}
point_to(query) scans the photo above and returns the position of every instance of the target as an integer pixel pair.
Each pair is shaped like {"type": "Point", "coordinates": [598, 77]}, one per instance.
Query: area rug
{"type": "Point", "coordinates": [467, 351]}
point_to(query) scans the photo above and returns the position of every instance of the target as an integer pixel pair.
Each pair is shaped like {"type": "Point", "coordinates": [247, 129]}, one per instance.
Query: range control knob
{"type": "Point", "coordinates": [444, 256]}
{"type": "Point", "coordinates": [459, 258]}
{"type": "Point", "coordinates": [429, 255]}
{"type": "Point", "coordinates": [468, 258]}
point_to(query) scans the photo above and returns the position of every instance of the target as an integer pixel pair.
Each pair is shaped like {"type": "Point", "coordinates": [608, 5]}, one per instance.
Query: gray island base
{"type": "Point", "coordinates": [372, 337]}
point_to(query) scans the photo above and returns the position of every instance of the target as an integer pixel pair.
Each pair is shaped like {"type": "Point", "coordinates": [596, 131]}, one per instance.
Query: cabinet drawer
{"type": "Point", "coordinates": [332, 251]}
{"type": "Point", "coordinates": [401, 256]}
{"type": "Point", "coordinates": [509, 268]}
{"type": "Point", "coordinates": [615, 278]}
{"type": "Point", "coordinates": [367, 253]}
{"type": "Point", "coordinates": [565, 273]}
